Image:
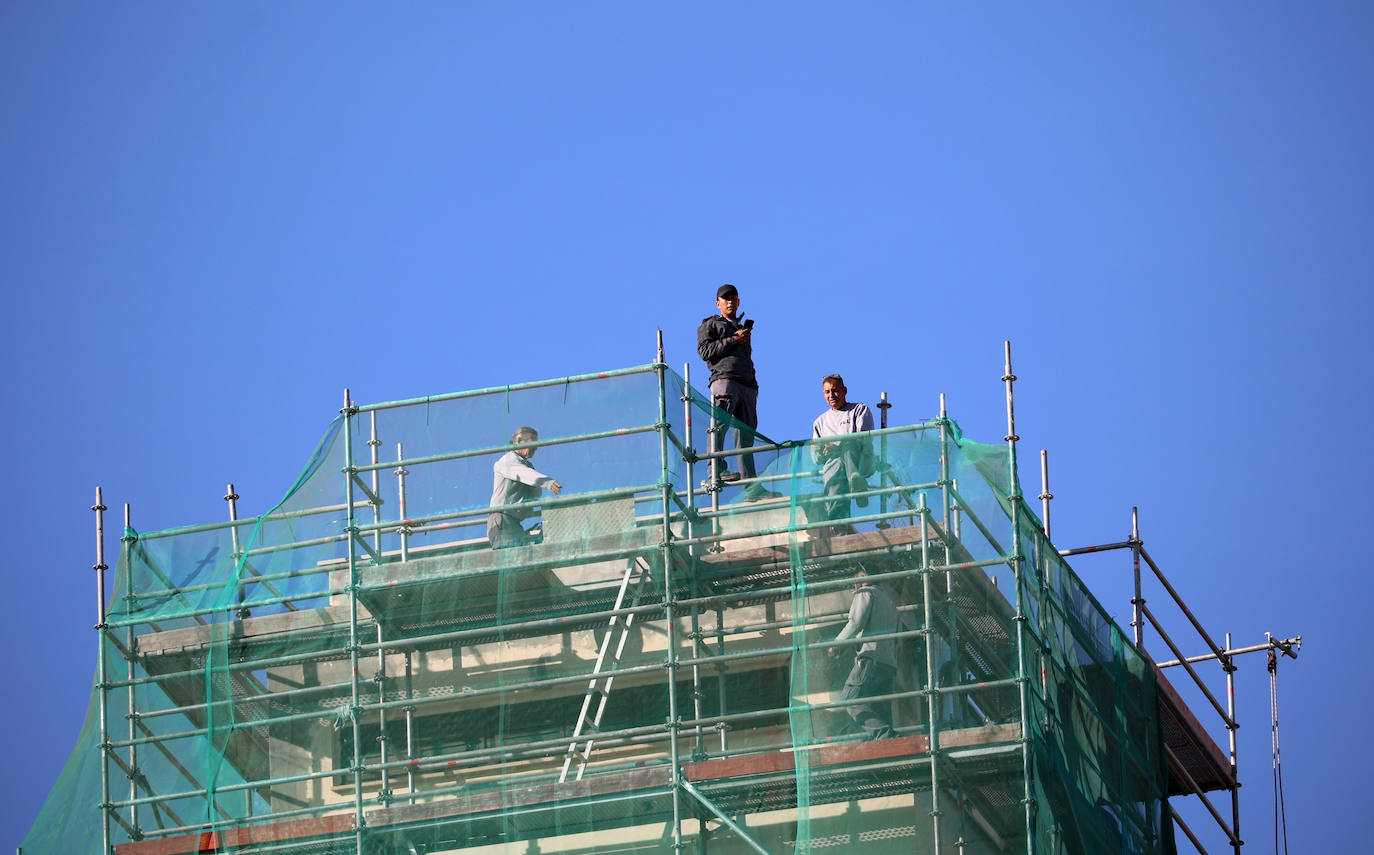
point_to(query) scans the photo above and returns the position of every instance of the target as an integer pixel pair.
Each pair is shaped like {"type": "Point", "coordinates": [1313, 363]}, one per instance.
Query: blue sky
{"type": "Point", "coordinates": [217, 216]}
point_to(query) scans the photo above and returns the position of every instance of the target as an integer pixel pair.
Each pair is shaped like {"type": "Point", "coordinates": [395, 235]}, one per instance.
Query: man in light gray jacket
{"type": "Point", "coordinates": [871, 612]}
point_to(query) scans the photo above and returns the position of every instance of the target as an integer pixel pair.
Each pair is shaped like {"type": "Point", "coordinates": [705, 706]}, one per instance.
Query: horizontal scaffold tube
{"type": "Point", "coordinates": [786, 529]}
{"type": "Point", "coordinates": [252, 580]}
{"type": "Point", "coordinates": [838, 584]}
{"type": "Point", "coordinates": [1083, 550]}
{"type": "Point", "coordinates": [419, 642]}
{"type": "Point", "coordinates": [247, 521]}
{"type": "Point", "coordinates": [803, 443]}
{"type": "Point", "coordinates": [517, 387]}
{"type": "Point", "coordinates": [553, 502]}
{"type": "Point", "coordinates": [274, 697]}
{"type": "Point", "coordinates": [226, 608]}
{"type": "Point", "coordinates": [502, 449]}
{"type": "Point", "coordinates": [570, 679]}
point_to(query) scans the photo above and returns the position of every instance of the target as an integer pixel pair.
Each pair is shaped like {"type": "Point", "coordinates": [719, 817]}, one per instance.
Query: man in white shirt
{"type": "Point", "coordinates": [515, 481]}
{"type": "Point", "coordinates": [846, 463]}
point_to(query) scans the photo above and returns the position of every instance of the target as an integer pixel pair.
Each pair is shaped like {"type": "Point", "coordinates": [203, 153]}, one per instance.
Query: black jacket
{"type": "Point", "coordinates": [724, 356]}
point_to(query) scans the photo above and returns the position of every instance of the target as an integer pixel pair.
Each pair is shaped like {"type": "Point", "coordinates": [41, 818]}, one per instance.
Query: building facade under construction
{"type": "Point", "coordinates": [653, 668]}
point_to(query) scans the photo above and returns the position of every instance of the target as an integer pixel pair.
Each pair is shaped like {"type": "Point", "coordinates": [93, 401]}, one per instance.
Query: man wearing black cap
{"type": "Point", "coordinates": [723, 340]}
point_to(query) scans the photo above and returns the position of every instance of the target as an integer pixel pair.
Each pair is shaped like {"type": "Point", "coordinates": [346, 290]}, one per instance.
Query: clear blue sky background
{"type": "Point", "coordinates": [218, 215]}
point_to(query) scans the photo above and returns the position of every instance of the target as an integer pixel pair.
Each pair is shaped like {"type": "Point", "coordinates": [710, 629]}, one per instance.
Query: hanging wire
{"type": "Point", "coordinates": [1280, 812]}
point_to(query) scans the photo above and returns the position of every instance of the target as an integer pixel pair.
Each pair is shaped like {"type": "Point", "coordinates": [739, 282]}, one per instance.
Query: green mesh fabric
{"type": "Point", "coordinates": [358, 670]}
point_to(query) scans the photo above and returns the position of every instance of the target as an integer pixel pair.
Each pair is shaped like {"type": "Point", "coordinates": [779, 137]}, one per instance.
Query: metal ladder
{"type": "Point", "coordinates": [604, 672]}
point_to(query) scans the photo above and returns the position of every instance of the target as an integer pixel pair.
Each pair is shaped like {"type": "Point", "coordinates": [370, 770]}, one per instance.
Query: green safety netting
{"type": "Point", "coordinates": [652, 666]}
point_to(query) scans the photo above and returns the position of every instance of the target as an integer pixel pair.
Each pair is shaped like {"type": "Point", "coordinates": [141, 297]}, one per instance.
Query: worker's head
{"type": "Point", "coordinates": [525, 434]}
{"type": "Point", "coordinates": [832, 387]}
{"type": "Point", "coordinates": [727, 300]}
{"type": "Point", "coordinates": [860, 577]}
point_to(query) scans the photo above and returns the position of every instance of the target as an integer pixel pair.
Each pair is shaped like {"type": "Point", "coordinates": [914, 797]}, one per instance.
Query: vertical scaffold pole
{"type": "Point", "coordinates": [404, 528]}
{"type": "Point", "coordinates": [383, 741]}
{"type": "Point", "coordinates": [232, 497]}
{"type": "Point", "coordinates": [135, 832]}
{"type": "Point", "coordinates": [1045, 494]}
{"type": "Point", "coordinates": [1044, 555]}
{"type": "Point", "coordinates": [374, 446]}
{"type": "Point", "coordinates": [666, 554]}
{"type": "Point", "coordinates": [410, 728]}
{"type": "Point", "coordinates": [355, 698]}
{"type": "Point", "coordinates": [1137, 601]}
{"type": "Point", "coordinates": [883, 407]}
{"type": "Point", "coordinates": [928, 634]}
{"type": "Point", "coordinates": [698, 750]}
{"type": "Point", "coordinates": [103, 680]}
{"type": "Point", "coordinates": [949, 523]}
{"type": "Point", "coordinates": [1018, 579]}
{"type": "Point", "coordinates": [722, 703]}
{"type": "Point", "coordinates": [1229, 665]}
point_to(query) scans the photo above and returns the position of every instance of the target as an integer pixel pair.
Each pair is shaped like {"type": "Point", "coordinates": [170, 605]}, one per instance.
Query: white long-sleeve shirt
{"type": "Point", "coordinates": [514, 481]}
{"type": "Point", "coordinates": [853, 418]}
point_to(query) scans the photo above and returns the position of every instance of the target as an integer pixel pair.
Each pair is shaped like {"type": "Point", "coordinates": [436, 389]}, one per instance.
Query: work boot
{"type": "Point", "coordinates": [857, 484]}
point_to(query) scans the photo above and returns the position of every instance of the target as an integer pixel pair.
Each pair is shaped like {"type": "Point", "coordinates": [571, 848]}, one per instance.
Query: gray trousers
{"type": "Point", "coordinates": [836, 472]}
{"type": "Point", "coordinates": [740, 402]}
{"type": "Point", "coordinates": [505, 530]}
{"type": "Point", "coordinates": [868, 679]}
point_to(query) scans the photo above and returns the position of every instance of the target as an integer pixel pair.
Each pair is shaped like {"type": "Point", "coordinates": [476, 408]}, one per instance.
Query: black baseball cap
{"type": "Point", "coordinates": [726, 290]}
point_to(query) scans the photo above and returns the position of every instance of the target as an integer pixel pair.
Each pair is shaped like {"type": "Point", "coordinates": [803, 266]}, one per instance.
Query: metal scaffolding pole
{"type": "Point", "coordinates": [689, 523]}
{"type": "Point", "coordinates": [1018, 579]}
{"type": "Point", "coordinates": [355, 699]}
{"type": "Point", "coordinates": [102, 679]}
{"type": "Point", "coordinates": [1045, 494]}
{"type": "Point", "coordinates": [1229, 666]}
{"type": "Point", "coordinates": [1137, 600]}
{"type": "Point", "coordinates": [883, 406]}
{"type": "Point", "coordinates": [133, 771]}
{"type": "Point", "coordinates": [947, 510]}
{"type": "Point", "coordinates": [931, 693]}
{"type": "Point", "coordinates": [669, 618]}
{"type": "Point", "coordinates": [375, 499]}
{"type": "Point", "coordinates": [383, 740]}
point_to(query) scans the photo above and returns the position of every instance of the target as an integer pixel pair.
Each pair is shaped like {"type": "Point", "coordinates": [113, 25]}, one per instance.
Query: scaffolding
{"type": "Point", "coordinates": [652, 669]}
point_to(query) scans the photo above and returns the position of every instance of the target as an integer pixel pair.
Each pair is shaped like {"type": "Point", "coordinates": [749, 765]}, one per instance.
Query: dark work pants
{"type": "Point", "coordinates": [740, 402]}
{"type": "Point", "coordinates": [869, 679]}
